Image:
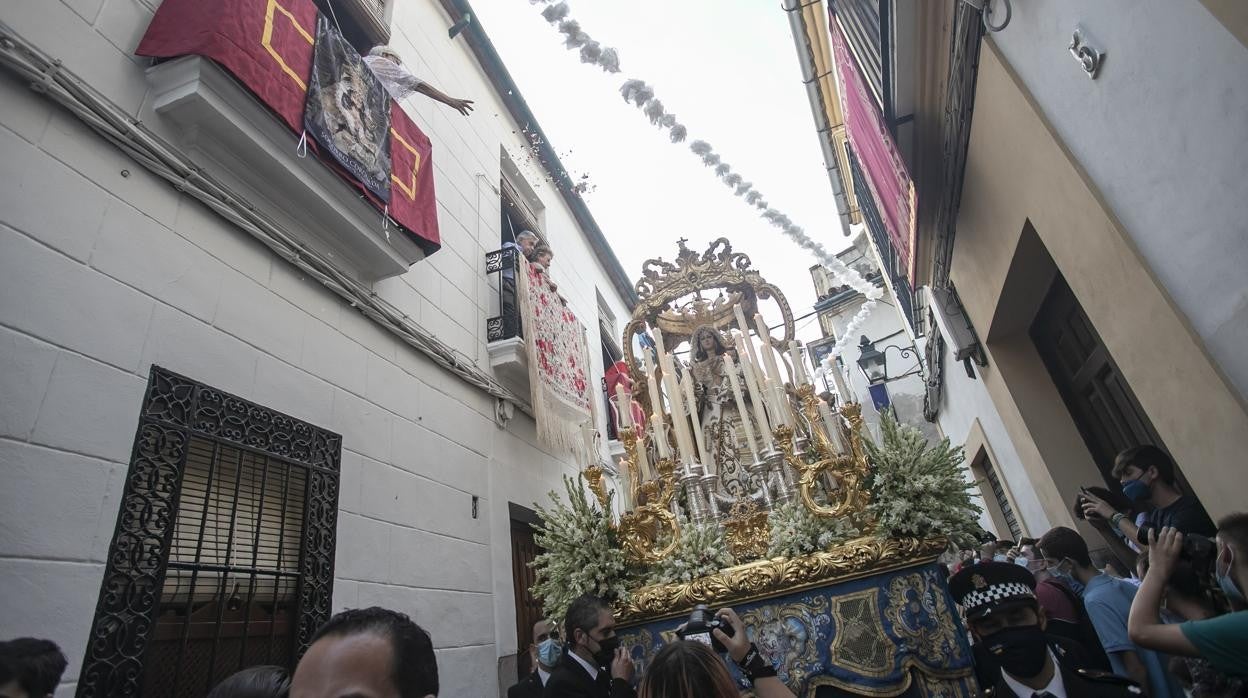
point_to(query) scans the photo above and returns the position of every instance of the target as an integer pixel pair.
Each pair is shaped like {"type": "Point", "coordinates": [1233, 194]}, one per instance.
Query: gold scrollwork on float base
{"type": "Point", "coordinates": [853, 559]}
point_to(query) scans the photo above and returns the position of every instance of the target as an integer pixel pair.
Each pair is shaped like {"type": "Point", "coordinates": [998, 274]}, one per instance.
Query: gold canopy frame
{"type": "Point", "coordinates": [664, 285]}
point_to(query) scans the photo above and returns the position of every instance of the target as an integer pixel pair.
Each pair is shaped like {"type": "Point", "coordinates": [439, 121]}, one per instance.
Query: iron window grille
{"type": "Point", "coordinates": [223, 553]}
{"type": "Point", "coordinates": [506, 324]}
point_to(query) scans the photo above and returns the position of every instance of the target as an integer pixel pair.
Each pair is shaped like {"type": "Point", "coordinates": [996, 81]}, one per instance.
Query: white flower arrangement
{"type": "Point", "coordinates": [700, 551]}
{"type": "Point", "coordinates": [919, 489]}
{"type": "Point", "coordinates": [796, 530]}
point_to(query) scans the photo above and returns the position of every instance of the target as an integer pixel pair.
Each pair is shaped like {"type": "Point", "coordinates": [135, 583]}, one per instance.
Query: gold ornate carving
{"type": "Point", "coordinates": [664, 289]}
{"type": "Point", "coordinates": [850, 498]}
{"type": "Point", "coordinates": [746, 530]}
{"type": "Point", "coordinates": [647, 525]}
{"type": "Point", "coordinates": [593, 477]}
{"type": "Point", "coordinates": [861, 557]}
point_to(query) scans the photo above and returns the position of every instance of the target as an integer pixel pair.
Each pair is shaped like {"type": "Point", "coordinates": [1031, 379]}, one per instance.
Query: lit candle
{"type": "Point", "coordinates": [656, 403]}
{"type": "Point", "coordinates": [756, 393]}
{"type": "Point", "coordinates": [623, 405]}
{"type": "Point", "coordinates": [697, 423]}
{"type": "Point", "coordinates": [830, 424]}
{"type": "Point", "coordinates": [660, 439]}
{"type": "Point", "coordinates": [731, 368]}
{"type": "Point", "coordinates": [643, 461]}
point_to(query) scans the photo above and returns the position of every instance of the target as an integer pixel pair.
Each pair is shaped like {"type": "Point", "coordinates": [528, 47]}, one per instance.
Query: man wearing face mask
{"type": "Point", "coordinates": [999, 604]}
{"type": "Point", "coordinates": [1221, 640]}
{"type": "Point", "coordinates": [594, 666]}
{"type": "Point", "coordinates": [544, 653]}
{"type": "Point", "coordinates": [1107, 600]}
{"type": "Point", "coordinates": [1146, 475]}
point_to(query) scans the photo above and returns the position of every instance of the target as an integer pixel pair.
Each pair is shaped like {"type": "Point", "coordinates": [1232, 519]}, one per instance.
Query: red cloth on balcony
{"type": "Point", "coordinates": [882, 164]}
{"type": "Point", "coordinates": [268, 45]}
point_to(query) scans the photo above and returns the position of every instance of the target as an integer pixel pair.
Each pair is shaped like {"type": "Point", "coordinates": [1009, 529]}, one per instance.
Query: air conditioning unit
{"type": "Point", "coordinates": [953, 324]}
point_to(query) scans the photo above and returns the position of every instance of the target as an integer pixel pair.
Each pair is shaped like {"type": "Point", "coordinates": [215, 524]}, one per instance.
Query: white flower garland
{"type": "Point", "coordinates": [643, 97]}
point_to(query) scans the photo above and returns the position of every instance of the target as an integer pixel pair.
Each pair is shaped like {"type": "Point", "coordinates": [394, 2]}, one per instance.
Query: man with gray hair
{"type": "Point", "coordinates": [400, 83]}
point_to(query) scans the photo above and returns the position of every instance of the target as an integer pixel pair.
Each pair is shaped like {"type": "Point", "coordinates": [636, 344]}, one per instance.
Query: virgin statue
{"type": "Point", "coordinates": [721, 423]}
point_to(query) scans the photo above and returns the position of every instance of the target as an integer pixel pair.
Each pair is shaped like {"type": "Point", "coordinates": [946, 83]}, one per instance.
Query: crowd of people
{"type": "Point", "coordinates": [1045, 619]}
{"type": "Point", "coordinates": [1160, 607]}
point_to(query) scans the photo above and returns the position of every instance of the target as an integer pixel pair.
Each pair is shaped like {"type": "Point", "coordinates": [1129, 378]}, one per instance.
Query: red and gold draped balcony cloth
{"type": "Point", "coordinates": [268, 45]}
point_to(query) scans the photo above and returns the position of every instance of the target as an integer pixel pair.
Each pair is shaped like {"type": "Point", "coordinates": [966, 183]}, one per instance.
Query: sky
{"type": "Point", "coordinates": [729, 71]}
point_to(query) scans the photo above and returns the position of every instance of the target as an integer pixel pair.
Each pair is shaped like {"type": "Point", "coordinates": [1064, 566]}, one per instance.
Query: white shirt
{"type": "Point", "coordinates": [398, 81]}
{"type": "Point", "coordinates": [1056, 686]}
{"type": "Point", "coordinates": [593, 670]}
{"type": "Point", "coordinates": [542, 675]}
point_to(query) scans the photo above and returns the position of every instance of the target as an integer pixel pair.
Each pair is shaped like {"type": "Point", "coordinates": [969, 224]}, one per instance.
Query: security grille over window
{"type": "Point", "coordinates": [224, 549]}
{"type": "Point", "coordinates": [1003, 502]}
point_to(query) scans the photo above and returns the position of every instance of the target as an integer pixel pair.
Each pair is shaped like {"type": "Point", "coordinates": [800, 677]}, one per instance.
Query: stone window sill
{"type": "Point", "coordinates": [241, 143]}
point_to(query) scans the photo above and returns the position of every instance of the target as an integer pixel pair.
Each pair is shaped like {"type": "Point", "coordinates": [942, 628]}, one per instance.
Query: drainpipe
{"type": "Point", "coordinates": [806, 61]}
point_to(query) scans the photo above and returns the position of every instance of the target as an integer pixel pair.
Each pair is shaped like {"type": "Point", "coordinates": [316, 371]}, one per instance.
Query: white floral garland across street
{"type": "Point", "coordinates": [642, 95]}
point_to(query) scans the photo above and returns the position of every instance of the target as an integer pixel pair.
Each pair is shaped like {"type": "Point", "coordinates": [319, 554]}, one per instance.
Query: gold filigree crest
{"type": "Point", "coordinates": [671, 298]}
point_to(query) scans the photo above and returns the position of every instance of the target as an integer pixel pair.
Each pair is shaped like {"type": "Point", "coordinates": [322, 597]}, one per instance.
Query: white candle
{"type": "Point", "coordinates": [643, 461]}
{"type": "Point", "coordinates": [625, 488]}
{"type": "Point", "coordinates": [799, 371]}
{"type": "Point", "coordinates": [756, 393]}
{"type": "Point", "coordinates": [731, 369]}
{"type": "Point", "coordinates": [623, 405]}
{"type": "Point", "coordinates": [674, 399]}
{"type": "Point", "coordinates": [660, 439]}
{"type": "Point", "coordinates": [656, 401]}
{"type": "Point", "coordinates": [657, 335]}
{"type": "Point", "coordinates": [698, 437]}
{"type": "Point", "coordinates": [830, 424]}
{"type": "Point", "coordinates": [769, 355]}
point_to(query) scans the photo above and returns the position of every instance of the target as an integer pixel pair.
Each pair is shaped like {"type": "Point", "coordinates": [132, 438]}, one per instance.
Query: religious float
{"type": "Point", "coordinates": [741, 486]}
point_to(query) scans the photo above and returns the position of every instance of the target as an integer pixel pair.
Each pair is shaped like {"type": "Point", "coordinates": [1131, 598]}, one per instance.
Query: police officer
{"type": "Point", "coordinates": [1014, 655]}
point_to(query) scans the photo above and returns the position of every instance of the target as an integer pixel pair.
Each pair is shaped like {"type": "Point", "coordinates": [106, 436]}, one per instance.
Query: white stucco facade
{"type": "Point", "coordinates": [1162, 132]}
{"type": "Point", "coordinates": [106, 270]}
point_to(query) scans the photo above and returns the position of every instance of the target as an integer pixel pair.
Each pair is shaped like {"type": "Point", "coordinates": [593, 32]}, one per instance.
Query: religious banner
{"type": "Point", "coordinates": [268, 45]}
{"type": "Point", "coordinates": [886, 173]}
{"type": "Point", "coordinates": [348, 110]}
{"type": "Point", "coordinates": [891, 634]}
{"type": "Point", "coordinates": [558, 362]}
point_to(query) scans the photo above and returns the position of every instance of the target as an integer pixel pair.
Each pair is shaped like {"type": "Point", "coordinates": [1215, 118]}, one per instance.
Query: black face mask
{"type": "Point", "coordinates": [1020, 651]}
{"type": "Point", "coordinates": [606, 651]}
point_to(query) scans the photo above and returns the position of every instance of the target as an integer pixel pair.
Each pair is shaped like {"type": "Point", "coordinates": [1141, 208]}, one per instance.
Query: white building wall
{"type": "Point", "coordinates": [1163, 134]}
{"type": "Point", "coordinates": [963, 402]}
{"type": "Point", "coordinates": [105, 270]}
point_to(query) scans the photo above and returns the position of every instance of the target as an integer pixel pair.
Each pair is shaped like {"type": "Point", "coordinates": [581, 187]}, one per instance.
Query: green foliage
{"type": "Point", "coordinates": [796, 530]}
{"type": "Point", "coordinates": [582, 555]}
{"type": "Point", "coordinates": [700, 551]}
{"type": "Point", "coordinates": [917, 489]}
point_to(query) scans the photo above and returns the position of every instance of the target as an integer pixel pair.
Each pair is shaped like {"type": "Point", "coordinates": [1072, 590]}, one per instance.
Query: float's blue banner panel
{"type": "Point", "coordinates": [887, 635]}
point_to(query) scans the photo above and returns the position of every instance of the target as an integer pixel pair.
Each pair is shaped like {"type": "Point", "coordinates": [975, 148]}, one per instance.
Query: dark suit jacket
{"type": "Point", "coordinates": [529, 687]}
{"type": "Point", "coordinates": [1079, 683]}
{"type": "Point", "coordinates": [570, 680]}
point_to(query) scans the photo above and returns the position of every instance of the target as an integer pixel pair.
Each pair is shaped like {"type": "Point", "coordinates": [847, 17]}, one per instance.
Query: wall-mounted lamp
{"type": "Point", "coordinates": [874, 363]}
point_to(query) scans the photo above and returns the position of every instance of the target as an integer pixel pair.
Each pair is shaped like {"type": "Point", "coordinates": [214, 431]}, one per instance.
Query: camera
{"type": "Point", "coordinates": [701, 623]}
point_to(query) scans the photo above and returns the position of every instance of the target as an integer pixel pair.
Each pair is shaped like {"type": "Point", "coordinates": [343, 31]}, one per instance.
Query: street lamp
{"type": "Point", "coordinates": [874, 363]}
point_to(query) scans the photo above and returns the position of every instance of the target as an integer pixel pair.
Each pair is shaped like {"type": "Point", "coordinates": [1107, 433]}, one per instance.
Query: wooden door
{"type": "Point", "coordinates": [1103, 406]}
{"type": "Point", "coordinates": [528, 609]}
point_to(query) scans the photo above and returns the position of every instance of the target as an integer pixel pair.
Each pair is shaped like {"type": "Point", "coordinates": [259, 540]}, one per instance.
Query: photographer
{"type": "Point", "coordinates": [689, 668]}
{"type": "Point", "coordinates": [1220, 640]}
